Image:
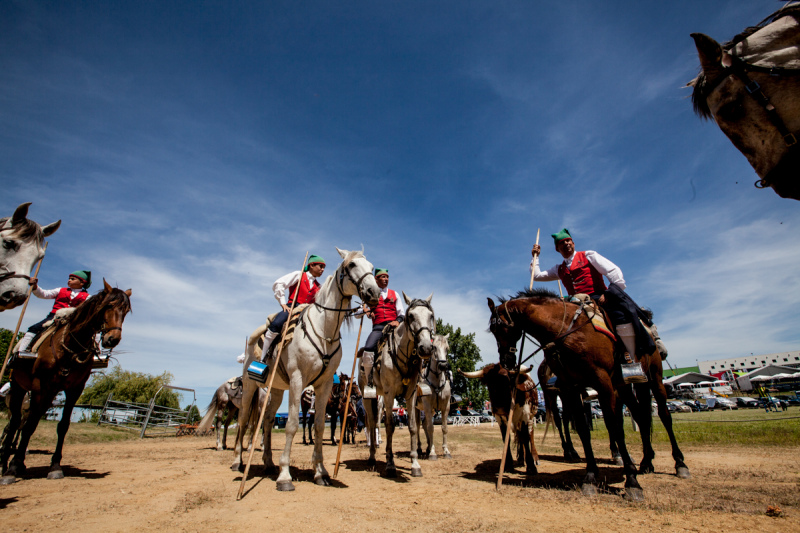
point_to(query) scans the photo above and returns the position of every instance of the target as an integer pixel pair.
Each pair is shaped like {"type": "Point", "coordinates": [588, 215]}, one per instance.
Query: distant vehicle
{"type": "Point", "coordinates": [486, 416]}
{"type": "Point", "coordinates": [745, 401]}
{"type": "Point", "coordinates": [791, 400]}
{"type": "Point", "coordinates": [680, 407]}
{"type": "Point", "coordinates": [720, 403]}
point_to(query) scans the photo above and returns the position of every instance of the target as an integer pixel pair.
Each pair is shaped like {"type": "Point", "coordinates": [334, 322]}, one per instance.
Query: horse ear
{"type": "Point", "coordinates": [20, 213]}
{"type": "Point", "coordinates": [491, 304]}
{"type": "Point", "coordinates": [51, 228]}
{"type": "Point", "coordinates": [129, 292]}
{"type": "Point", "coordinates": [106, 285]}
{"type": "Point", "coordinates": [342, 253]}
{"type": "Point", "coordinates": [406, 298]}
{"type": "Point", "coordinates": [429, 298]}
{"type": "Point", "coordinates": [710, 53]}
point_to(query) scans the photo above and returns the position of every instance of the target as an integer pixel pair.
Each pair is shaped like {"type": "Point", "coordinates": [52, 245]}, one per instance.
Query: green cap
{"type": "Point", "coordinates": [85, 275]}
{"type": "Point", "coordinates": [561, 235]}
{"type": "Point", "coordinates": [313, 259]}
{"type": "Point", "coordinates": [379, 271]}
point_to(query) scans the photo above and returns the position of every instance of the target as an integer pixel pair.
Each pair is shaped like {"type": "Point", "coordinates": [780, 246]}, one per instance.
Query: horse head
{"type": "Point", "coordinates": [421, 323]}
{"type": "Point", "coordinates": [441, 347]}
{"type": "Point", "coordinates": [115, 304]}
{"type": "Point", "coordinates": [22, 248]}
{"type": "Point", "coordinates": [506, 332]}
{"type": "Point", "coordinates": [355, 277]}
{"type": "Point", "coordinates": [750, 87]}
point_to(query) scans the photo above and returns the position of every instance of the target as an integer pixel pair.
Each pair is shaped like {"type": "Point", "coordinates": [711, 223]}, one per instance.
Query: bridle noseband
{"type": "Point", "coordinates": [415, 334]}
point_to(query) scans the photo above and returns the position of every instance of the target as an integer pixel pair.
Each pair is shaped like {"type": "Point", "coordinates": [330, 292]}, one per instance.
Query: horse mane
{"type": "Point", "coordinates": [699, 93]}
{"type": "Point", "coordinates": [529, 293]}
{"type": "Point", "coordinates": [85, 313]}
{"type": "Point", "coordinates": [27, 230]}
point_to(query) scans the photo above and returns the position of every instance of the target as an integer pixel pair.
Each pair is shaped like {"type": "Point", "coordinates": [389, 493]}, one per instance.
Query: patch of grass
{"type": "Point", "coordinates": [79, 433]}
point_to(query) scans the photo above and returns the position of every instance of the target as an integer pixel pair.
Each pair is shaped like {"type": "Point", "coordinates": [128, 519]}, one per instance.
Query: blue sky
{"type": "Point", "coordinates": [196, 150]}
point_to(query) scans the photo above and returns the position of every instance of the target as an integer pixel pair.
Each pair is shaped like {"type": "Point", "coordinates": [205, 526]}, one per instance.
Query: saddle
{"type": "Point", "coordinates": [235, 384]}
{"type": "Point", "coordinates": [293, 321]}
{"type": "Point", "coordinates": [385, 334]}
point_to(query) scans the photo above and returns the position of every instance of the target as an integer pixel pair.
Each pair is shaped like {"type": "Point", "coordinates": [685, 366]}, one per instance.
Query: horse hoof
{"type": "Point", "coordinates": [448, 456]}
{"type": "Point", "coordinates": [390, 473]}
{"type": "Point", "coordinates": [237, 467]}
{"type": "Point", "coordinates": [587, 489]}
{"type": "Point", "coordinates": [618, 460]}
{"type": "Point", "coordinates": [285, 486]}
{"type": "Point", "coordinates": [416, 472]}
{"type": "Point", "coordinates": [7, 480]}
{"type": "Point", "coordinates": [634, 494]}
{"type": "Point", "coordinates": [323, 481]}
{"type": "Point", "coordinates": [683, 472]}
{"type": "Point", "coordinates": [55, 474]}
{"type": "Point", "coordinates": [647, 469]}
{"type": "Point", "coordinates": [433, 458]}
{"type": "Point", "coordinates": [531, 471]}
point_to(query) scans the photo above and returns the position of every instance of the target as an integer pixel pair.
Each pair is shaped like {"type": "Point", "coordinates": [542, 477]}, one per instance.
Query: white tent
{"type": "Point", "coordinates": [760, 378]}
{"type": "Point", "coordinates": [782, 375]}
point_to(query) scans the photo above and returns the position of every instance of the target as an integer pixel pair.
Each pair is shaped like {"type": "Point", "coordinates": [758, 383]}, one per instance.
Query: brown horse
{"type": "Point", "coordinates": [751, 88]}
{"type": "Point", "coordinates": [64, 363]}
{"type": "Point", "coordinates": [551, 395]}
{"type": "Point", "coordinates": [306, 401]}
{"type": "Point", "coordinates": [580, 357]}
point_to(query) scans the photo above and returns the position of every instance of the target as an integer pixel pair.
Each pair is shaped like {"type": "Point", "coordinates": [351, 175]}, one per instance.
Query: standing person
{"type": "Point", "coordinates": [582, 273]}
{"type": "Point", "coordinates": [305, 284]}
{"type": "Point", "coordinates": [70, 296]}
{"type": "Point", "coordinates": [389, 311]}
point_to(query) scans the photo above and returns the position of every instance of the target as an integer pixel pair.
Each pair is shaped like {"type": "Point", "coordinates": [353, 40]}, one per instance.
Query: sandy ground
{"type": "Point", "coordinates": [184, 484]}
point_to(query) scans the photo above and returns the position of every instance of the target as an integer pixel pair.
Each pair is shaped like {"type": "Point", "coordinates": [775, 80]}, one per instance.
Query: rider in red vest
{"type": "Point", "coordinates": [284, 289]}
{"type": "Point", "coordinates": [582, 273]}
{"type": "Point", "coordinates": [70, 296]}
{"type": "Point", "coordinates": [390, 311]}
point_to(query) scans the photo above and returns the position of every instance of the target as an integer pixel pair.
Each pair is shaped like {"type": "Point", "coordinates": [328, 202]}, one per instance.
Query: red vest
{"type": "Point", "coordinates": [63, 299]}
{"type": "Point", "coordinates": [581, 277]}
{"type": "Point", "coordinates": [306, 294]}
{"type": "Point", "coordinates": [386, 310]}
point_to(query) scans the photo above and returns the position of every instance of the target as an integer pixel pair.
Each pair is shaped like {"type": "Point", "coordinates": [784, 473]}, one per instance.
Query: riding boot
{"type": "Point", "coordinates": [367, 361]}
{"type": "Point", "coordinates": [269, 336]}
{"type": "Point", "coordinates": [632, 371]}
{"type": "Point", "coordinates": [24, 342]}
{"type": "Point", "coordinates": [259, 370]}
{"type": "Point", "coordinates": [662, 348]}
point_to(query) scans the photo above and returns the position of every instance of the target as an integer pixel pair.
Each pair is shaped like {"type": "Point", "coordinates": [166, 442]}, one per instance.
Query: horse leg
{"type": "Point", "coordinates": [572, 403]}
{"type": "Point", "coordinates": [413, 428]}
{"type": "Point", "coordinates": [430, 451]}
{"type": "Point", "coordinates": [391, 469]}
{"type": "Point", "coordinates": [11, 431]}
{"type": "Point", "coordinates": [642, 414]}
{"type": "Point", "coordinates": [615, 455]}
{"type": "Point", "coordinates": [334, 418]}
{"type": "Point", "coordinates": [372, 416]}
{"type": "Point", "coordinates": [660, 395]}
{"type": "Point", "coordinates": [524, 437]}
{"type": "Point", "coordinates": [570, 454]}
{"type": "Point", "coordinates": [445, 449]}
{"type": "Point", "coordinates": [71, 398]}
{"type": "Point", "coordinates": [504, 426]}
{"type": "Point", "coordinates": [304, 421]}
{"type": "Point", "coordinates": [321, 476]}
{"type": "Point", "coordinates": [249, 390]}
{"type": "Point", "coordinates": [274, 401]}
{"type": "Point", "coordinates": [39, 405]}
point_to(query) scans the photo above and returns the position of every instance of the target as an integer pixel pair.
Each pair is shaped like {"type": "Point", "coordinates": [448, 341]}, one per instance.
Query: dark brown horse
{"type": "Point", "coordinates": [306, 401]}
{"type": "Point", "coordinates": [551, 394]}
{"type": "Point", "coordinates": [580, 357]}
{"type": "Point", "coordinates": [64, 363]}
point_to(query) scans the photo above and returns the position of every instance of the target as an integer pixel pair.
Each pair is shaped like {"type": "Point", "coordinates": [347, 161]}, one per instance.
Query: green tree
{"type": "Point", "coordinates": [5, 339]}
{"type": "Point", "coordinates": [127, 386]}
{"type": "Point", "coordinates": [464, 355]}
{"type": "Point", "coordinates": [194, 414]}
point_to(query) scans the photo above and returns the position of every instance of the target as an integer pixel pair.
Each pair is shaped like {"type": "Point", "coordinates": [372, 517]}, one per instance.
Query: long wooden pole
{"type": "Point", "coordinates": [269, 384]}
{"type": "Point", "coordinates": [347, 400]}
{"type": "Point", "coordinates": [12, 342]}
{"type": "Point", "coordinates": [533, 270]}
{"type": "Point", "coordinates": [510, 424]}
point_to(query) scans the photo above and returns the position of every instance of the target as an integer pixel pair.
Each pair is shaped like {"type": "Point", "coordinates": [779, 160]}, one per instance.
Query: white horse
{"type": "Point", "coordinates": [22, 248]}
{"type": "Point", "coordinates": [435, 375]}
{"type": "Point", "coordinates": [311, 358]}
{"type": "Point", "coordinates": [396, 372]}
{"type": "Point", "coordinates": [227, 396]}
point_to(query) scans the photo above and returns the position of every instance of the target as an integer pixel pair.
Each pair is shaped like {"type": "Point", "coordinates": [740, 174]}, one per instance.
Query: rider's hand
{"type": "Point", "coordinates": [394, 323]}
{"type": "Point", "coordinates": [33, 282]}
{"type": "Point", "coordinates": [602, 299]}
{"type": "Point", "coordinates": [536, 249]}
{"type": "Point", "coordinates": [285, 307]}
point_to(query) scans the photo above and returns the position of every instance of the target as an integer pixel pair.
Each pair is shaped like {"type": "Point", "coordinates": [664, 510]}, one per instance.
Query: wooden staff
{"type": "Point", "coordinates": [270, 380]}
{"type": "Point", "coordinates": [13, 339]}
{"type": "Point", "coordinates": [509, 425]}
{"type": "Point", "coordinates": [533, 270]}
{"type": "Point", "coordinates": [347, 400]}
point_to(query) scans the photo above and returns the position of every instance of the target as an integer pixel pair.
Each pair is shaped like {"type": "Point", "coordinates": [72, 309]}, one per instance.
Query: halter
{"type": "Point", "coordinates": [415, 334]}
{"type": "Point", "coordinates": [345, 270]}
{"type": "Point", "coordinates": [739, 68]}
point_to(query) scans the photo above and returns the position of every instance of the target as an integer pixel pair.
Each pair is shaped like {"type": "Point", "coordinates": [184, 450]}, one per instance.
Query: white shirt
{"type": "Point", "coordinates": [283, 283]}
{"type": "Point", "coordinates": [50, 294]}
{"type": "Point", "coordinates": [603, 265]}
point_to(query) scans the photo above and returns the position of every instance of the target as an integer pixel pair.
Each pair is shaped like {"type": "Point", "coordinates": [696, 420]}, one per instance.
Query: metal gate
{"type": "Point", "coordinates": [159, 420]}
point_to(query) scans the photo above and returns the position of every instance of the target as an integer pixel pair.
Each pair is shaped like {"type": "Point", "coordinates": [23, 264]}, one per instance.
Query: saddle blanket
{"type": "Point", "coordinates": [598, 318]}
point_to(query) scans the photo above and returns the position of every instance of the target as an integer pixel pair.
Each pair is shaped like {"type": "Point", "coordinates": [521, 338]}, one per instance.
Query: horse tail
{"type": "Point", "coordinates": [211, 410]}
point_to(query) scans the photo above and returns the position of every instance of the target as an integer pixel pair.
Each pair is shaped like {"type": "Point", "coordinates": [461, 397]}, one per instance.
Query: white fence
{"type": "Point", "coordinates": [464, 420]}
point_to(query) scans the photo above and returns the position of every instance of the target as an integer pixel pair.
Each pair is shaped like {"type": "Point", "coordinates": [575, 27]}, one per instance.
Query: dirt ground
{"type": "Point", "coordinates": [184, 484]}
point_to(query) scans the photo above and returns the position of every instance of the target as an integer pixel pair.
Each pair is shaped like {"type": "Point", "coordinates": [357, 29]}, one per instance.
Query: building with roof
{"type": "Point", "coordinates": [749, 363]}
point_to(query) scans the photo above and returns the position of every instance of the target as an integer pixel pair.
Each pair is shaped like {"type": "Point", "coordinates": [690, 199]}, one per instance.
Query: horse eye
{"type": "Point", "coordinates": [352, 264]}
{"type": "Point", "coordinates": [8, 245]}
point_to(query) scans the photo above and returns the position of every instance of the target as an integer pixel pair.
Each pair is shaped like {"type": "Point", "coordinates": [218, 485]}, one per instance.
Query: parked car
{"type": "Point", "coordinates": [679, 406]}
{"type": "Point", "coordinates": [486, 416]}
{"type": "Point", "coordinates": [791, 400]}
{"type": "Point", "coordinates": [745, 401]}
{"type": "Point", "coordinates": [719, 402]}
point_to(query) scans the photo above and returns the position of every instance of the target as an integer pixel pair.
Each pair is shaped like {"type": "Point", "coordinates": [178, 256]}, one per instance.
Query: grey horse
{"type": "Point", "coordinates": [227, 396]}
{"type": "Point", "coordinates": [435, 375]}
{"type": "Point", "coordinates": [396, 372]}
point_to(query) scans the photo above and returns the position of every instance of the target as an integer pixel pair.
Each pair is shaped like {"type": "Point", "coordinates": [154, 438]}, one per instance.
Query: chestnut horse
{"type": "Point", "coordinates": [64, 363]}
{"type": "Point", "coordinates": [580, 357]}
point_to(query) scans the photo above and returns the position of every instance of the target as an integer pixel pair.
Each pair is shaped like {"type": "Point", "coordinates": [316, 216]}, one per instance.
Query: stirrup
{"type": "Point", "coordinates": [369, 392]}
{"type": "Point", "coordinates": [633, 373]}
{"type": "Point", "coordinates": [258, 371]}
{"type": "Point", "coordinates": [423, 389]}
{"type": "Point", "coordinates": [25, 354]}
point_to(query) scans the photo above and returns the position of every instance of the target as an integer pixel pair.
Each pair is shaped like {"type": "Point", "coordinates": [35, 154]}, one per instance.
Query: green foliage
{"type": "Point", "coordinates": [464, 355]}
{"type": "Point", "coordinates": [194, 414]}
{"type": "Point", "coordinates": [127, 386]}
{"type": "Point", "coordinates": [5, 339]}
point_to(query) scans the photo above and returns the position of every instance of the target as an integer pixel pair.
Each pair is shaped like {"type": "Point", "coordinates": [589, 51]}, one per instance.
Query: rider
{"type": "Point", "coordinates": [390, 311]}
{"type": "Point", "coordinates": [306, 286]}
{"type": "Point", "coordinates": [582, 273]}
{"type": "Point", "coordinates": [70, 296]}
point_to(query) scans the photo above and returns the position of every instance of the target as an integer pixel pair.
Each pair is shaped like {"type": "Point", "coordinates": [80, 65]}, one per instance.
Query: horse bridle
{"type": "Point", "coordinates": [739, 68]}
{"type": "Point", "coordinates": [416, 334]}
{"type": "Point", "coordinates": [11, 274]}
{"type": "Point", "coordinates": [346, 271]}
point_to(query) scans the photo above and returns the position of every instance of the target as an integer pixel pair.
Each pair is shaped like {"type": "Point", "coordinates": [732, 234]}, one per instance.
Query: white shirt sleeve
{"type": "Point", "coordinates": [283, 283]}
{"type": "Point", "coordinates": [46, 294]}
{"type": "Point", "coordinates": [401, 310]}
{"type": "Point", "coordinates": [606, 268]}
{"type": "Point", "coordinates": [550, 274]}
